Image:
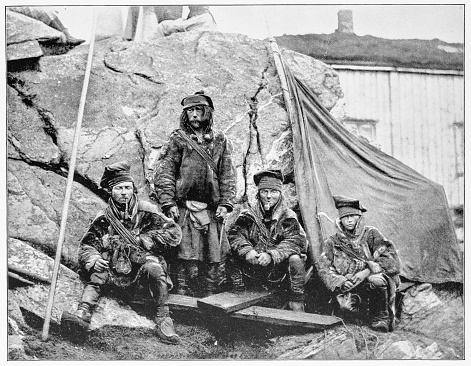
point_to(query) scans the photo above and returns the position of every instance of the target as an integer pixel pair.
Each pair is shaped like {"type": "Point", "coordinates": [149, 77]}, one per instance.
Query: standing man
{"type": "Point", "coordinates": [124, 249]}
{"type": "Point", "coordinates": [267, 242]}
{"type": "Point", "coordinates": [195, 185]}
{"type": "Point", "coordinates": [359, 264]}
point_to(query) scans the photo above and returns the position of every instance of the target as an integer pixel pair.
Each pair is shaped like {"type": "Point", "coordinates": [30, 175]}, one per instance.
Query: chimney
{"type": "Point", "coordinates": [345, 19]}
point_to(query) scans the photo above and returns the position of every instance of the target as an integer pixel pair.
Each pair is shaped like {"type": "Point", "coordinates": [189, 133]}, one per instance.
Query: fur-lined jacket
{"type": "Point", "coordinates": [183, 175]}
{"type": "Point", "coordinates": [153, 232]}
{"type": "Point", "coordinates": [285, 234]}
{"type": "Point", "coordinates": [347, 253]}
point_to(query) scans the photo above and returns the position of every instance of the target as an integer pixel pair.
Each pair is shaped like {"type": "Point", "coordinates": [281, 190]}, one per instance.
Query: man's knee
{"type": "Point", "coordinates": [377, 281]}
{"type": "Point", "coordinates": [296, 262]}
{"type": "Point", "coordinates": [98, 278]}
{"type": "Point", "coordinates": [153, 269]}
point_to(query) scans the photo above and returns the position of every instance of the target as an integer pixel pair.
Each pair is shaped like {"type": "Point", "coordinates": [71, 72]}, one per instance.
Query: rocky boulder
{"type": "Point", "coordinates": [34, 299]}
{"type": "Point", "coordinates": [132, 104]}
{"type": "Point", "coordinates": [24, 36]}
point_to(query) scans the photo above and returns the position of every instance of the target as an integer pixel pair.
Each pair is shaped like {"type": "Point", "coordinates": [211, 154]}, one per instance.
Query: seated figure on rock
{"type": "Point", "coordinates": [268, 244]}
{"type": "Point", "coordinates": [123, 250]}
{"type": "Point", "coordinates": [361, 267]}
{"type": "Point", "coordinates": [50, 17]}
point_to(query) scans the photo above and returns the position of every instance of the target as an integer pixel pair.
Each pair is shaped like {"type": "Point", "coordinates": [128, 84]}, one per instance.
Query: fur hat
{"type": "Point", "coordinates": [348, 206]}
{"type": "Point", "coordinates": [199, 98]}
{"type": "Point", "coordinates": [116, 173]}
{"type": "Point", "coordinates": [269, 179]}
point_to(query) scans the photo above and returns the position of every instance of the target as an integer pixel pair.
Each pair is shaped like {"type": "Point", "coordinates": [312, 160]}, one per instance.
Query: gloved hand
{"type": "Point", "coordinates": [264, 259]}
{"type": "Point", "coordinates": [173, 213]}
{"type": "Point", "coordinates": [221, 212]}
{"type": "Point", "coordinates": [251, 257]}
{"type": "Point", "coordinates": [100, 265]}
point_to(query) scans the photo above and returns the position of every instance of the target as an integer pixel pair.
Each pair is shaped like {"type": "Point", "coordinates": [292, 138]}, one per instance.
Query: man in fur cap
{"type": "Point", "coordinates": [358, 263]}
{"type": "Point", "coordinates": [267, 242]}
{"type": "Point", "coordinates": [195, 185]}
{"type": "Point", "coordinates": [123, 250]}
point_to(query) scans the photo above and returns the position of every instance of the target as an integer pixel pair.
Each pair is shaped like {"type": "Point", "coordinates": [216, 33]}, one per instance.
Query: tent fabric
{"type": "Point", "coordinates": [409, 209]}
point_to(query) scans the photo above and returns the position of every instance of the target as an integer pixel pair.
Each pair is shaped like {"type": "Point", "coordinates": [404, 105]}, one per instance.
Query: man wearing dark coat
{"type": "Point", "coordinates": [268, 241]}
{"type": "Point", "coordinates": [195, 184]}
{"type": "Point", "coordinates": [358, 264]}
{"type": "Point", "coordinates": [123, 250]}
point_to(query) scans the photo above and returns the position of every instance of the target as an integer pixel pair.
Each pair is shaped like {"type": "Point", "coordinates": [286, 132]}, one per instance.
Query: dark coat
{"type": "Point", "coordinates": [153, 231]}
{"type": "Point", "coordinates": [183, 175]}
{"type": "Point", "coordinates": [286, 235]}
{"type": "Point", "coordinates": [367, 243]}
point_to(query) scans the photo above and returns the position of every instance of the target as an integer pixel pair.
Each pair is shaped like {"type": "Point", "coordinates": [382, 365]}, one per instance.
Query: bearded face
{"type": "Point", "coordinates": [269, 198]}
{"type": "Point", "coordinates": [195, 117]}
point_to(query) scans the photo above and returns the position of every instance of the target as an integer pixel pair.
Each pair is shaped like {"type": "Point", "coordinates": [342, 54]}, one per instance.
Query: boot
{"type": "Point", "coordinates": [297, 306]}
{"type": "Point", "coordinates": [57, 24]}
{"type": "Point", "coordinates": [72, 40]}
{"type": "Point", "coordinates": [165, 330]}
{"type": "Point", "coordinates": [379, 312]}
{"type": "Point", "coordinates": [79, 320]}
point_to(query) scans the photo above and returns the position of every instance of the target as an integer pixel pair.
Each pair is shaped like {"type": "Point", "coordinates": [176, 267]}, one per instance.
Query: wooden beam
{"type": "Point", "coordinates": [286, 317]}
{"type": "Point", "coordinates": [228, 302]}
{"type": "Point", "coordinates": [181, 302]}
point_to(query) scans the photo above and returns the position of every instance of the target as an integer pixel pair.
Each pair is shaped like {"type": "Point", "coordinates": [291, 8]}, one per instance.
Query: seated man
{"type": "Point", "coordinates": [267, 242]}
{"type": "Point", "coordinates": [123, 249]}
{"type": "Point", "coordinates": [49, 17]}
{"type": "Point", "coordinates": [358, 263]}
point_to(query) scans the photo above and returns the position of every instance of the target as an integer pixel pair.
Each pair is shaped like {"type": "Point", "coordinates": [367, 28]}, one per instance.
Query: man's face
{"type": "Point", "coordinates": [122, 192]}
{"type": "Point", "coordinates": [195, 116]}
{"type": "Point", "coordinates": [269, 197]}
{"type": "Point", "coordinates": [350, 221]}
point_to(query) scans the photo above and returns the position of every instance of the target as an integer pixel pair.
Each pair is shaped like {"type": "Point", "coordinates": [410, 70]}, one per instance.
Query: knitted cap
{"type": "Point", "coordinates": [199, 98]}
{"type": "Point", "coordinates": [116, 173]}
{"type": "Point", "coordinates": [269, 179]}
{"type": "Point", "coordinates": [348, 206]}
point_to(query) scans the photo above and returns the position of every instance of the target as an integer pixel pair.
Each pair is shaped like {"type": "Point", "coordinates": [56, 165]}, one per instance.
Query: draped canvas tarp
{"type": "Point", "coordinates": [409, 209]}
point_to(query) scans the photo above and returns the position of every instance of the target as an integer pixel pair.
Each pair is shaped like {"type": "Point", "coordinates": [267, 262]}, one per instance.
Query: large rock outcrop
{"type": "Point", "coordinates": [132, 104]}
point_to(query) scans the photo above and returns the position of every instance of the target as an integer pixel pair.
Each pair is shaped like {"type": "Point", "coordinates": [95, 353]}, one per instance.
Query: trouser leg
{"type": "Point", "coordinates": [153, 275]}
{"type": "Point", "coordinates": [378, 300]}
{"type": "Point", "coordinates": [88, 302]}
{"type": "Point", "coordinates": [233, 274]}
{"type": "Point", "coordinates": [187, 277]}
{"type": "Point", "coordinates": [210, 278]}
{"type": "Point", "coordinates": [93, 289]}
{"type": "Point", "coordinates": [297, 276]}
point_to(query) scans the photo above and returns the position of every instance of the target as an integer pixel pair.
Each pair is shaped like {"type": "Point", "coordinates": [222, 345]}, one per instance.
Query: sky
{"type": "Point", "coordinates": [422, 21]}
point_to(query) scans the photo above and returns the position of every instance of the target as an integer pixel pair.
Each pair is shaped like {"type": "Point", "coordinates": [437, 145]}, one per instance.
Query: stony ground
{"type": "Point", "coordinates": [201, 339]}
{"type": "Point", "coordinates": [206, 337]}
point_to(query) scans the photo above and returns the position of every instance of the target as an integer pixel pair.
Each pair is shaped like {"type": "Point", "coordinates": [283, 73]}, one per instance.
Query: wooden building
{"type": "Point", "coordinates": [405, 96]}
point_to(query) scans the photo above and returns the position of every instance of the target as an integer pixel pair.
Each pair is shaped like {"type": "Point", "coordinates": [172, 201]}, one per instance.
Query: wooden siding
{"type": "Point", "coordinates": [420, 119]}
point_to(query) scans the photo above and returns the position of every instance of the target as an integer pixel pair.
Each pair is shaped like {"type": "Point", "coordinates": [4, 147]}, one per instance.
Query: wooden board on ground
{"type": "Point", "coordinates": [228, 302]}
{"type": "Point", "coordinates": [181, 302]}
{"type": "Point", "coordinates": [286, 317]}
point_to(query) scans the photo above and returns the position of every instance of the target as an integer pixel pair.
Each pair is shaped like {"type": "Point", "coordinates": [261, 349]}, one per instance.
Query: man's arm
{"type": "Point", "coordinates": [326, 269]}
{"type": "Point", "coordinates": [293, 239]}
{"type": "Point", "coordinates": [227, 178]}
{"type": "Point", "coordinates": [166, 172]}
{"type": "Point", "coordinates": [159, 232]}
{"type": "Point", "coordinates": [385, 256]}
{"type": "Point", "coordinates": [239, 235]}
{"type": "Point", "coordinates": [92, 244]}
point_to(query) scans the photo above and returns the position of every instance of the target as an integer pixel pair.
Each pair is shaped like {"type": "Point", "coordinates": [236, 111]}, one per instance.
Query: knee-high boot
{"type": "Point", "coordinates": [379, 314]}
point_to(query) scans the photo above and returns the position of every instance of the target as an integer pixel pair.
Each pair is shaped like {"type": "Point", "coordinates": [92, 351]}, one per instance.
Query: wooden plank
{"type": "Point", "coordinates": [181, 302]}
{"type": "Point", "coordinates": [286, 317]}
{"type": "Point", "coordinates": [228, 302]}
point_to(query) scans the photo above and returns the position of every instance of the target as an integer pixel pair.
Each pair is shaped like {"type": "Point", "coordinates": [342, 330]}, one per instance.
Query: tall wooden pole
{"type": "Point", "coordinates": [70, 178]}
